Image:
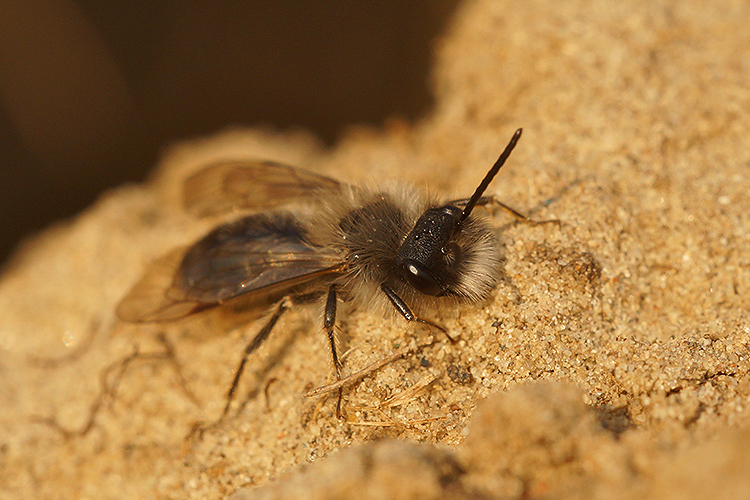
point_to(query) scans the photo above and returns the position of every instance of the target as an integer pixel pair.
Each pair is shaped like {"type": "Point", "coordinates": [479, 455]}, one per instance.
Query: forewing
{"type": "Point", "coordinates": [262, 254]}
{"type": "Point", "coordinates": [231, 185]}
{"type": "Point", "coordinates": [148, 300]}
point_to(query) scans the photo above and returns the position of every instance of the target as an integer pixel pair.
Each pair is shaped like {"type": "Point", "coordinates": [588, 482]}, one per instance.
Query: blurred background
{"type": "Point", "coordinates": [91, 91]}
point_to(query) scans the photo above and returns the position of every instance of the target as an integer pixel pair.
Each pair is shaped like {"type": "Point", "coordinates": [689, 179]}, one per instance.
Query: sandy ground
{"type": "Point", "coordinates": [612, 362]}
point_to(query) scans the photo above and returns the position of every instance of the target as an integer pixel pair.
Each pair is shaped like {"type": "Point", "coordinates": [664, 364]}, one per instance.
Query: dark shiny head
{"type": "Point", "coordinates": [431, 255]}
{"type": "Point", "coordinates": [426, 257]}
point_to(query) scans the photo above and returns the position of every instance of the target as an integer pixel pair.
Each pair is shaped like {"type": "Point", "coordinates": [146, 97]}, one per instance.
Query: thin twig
{"type": "Point", "coordinates": [409, 393]}
{"type": "Point", "coordinates": [354, 377]}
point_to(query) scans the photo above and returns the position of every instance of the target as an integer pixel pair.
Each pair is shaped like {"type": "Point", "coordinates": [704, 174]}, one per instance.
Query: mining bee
{"type": "Point", "coordinates": [395, 247]}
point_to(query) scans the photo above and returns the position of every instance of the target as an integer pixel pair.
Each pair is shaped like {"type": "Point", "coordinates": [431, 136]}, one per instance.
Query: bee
{"type": "Point", "coordinates": [395, 247]}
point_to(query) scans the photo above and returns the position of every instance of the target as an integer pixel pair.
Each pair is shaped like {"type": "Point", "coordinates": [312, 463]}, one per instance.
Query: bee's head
{"type": "Point", "coordinates": [429, 257]}
{"type": "Point", "coordinates": [449, 253]}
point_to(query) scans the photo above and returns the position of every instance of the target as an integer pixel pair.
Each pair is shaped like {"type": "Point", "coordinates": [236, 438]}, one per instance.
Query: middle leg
{"type": "Point", "coordinates": [329, 325]}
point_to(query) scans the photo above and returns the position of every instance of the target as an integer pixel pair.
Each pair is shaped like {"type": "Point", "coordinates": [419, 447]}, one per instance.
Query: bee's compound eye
{"type": "Point", "coordinates": [420, 278]}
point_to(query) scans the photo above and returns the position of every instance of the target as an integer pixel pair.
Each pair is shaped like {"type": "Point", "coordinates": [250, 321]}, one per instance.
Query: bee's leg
{"type": "Point", "coordinates": [329, 323]}
{"type": "Point", "coordinates": [491, 200]}
{"type": "Point", "coordinates": [402, 308]}
{"type": "Point", "coordinates": [261, 336]}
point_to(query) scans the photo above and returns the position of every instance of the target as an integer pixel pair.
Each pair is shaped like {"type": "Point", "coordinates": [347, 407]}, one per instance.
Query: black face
{"type": "Point", "coordinates": [428, 257]}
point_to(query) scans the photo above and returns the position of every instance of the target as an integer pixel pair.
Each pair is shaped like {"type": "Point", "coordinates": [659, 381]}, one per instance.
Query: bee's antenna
{"type": "Point", "coordinates": [490, 175]}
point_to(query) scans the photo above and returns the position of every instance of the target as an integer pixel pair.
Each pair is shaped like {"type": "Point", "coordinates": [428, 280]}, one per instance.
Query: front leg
{"type": "Point", "coordinates": [402, 308]}
{"type": "Point", "coordinates": [494, 202]}
{"type": "Point", "coordinates": [491, 200]}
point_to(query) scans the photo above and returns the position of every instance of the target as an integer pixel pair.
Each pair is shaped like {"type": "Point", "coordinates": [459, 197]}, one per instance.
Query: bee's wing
{"type": "Point", "coordinates": [255, 257]}
{"type": "Point", "coordinates": [148, 300]}
{"type": "Point", "coordinates": [251, 184]}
